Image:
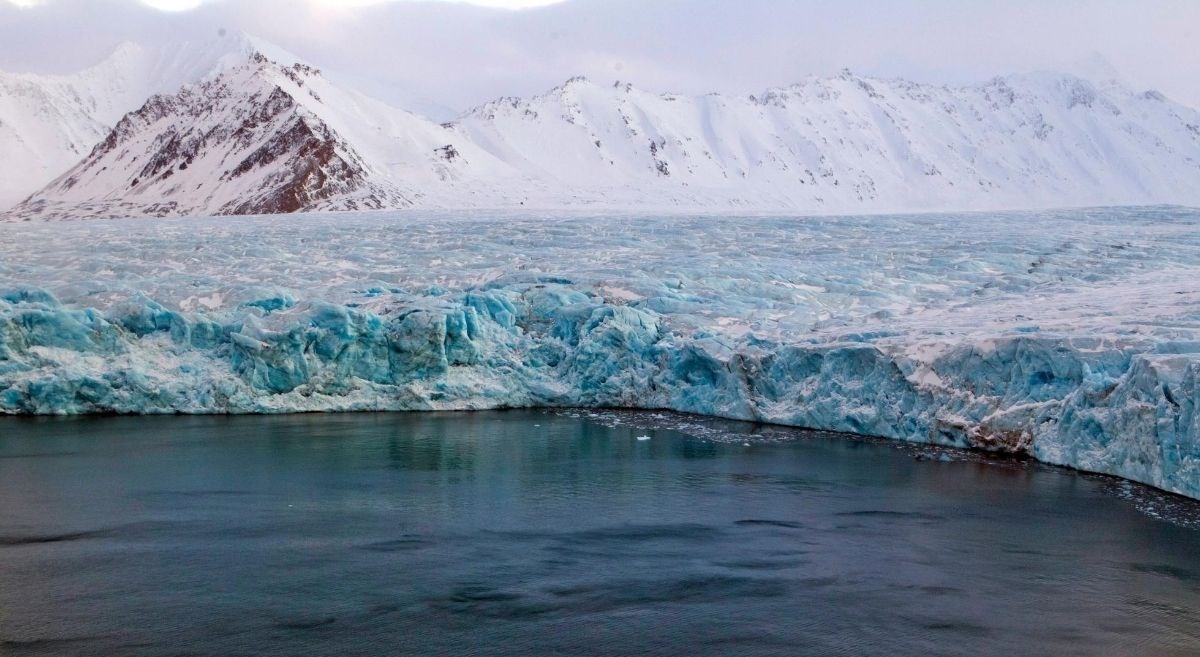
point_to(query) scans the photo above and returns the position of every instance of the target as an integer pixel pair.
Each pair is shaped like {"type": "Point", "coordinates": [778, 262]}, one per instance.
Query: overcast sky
{"type": "Point", "coordinates": [461, 54]}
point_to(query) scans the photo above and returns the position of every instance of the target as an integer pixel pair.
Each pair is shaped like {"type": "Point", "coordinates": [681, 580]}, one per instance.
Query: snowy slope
{"type": "Point", "coordinates": [49, 122]}
{"type": "Point", "coordinates": [849, 143]}
{"type": "Point", "coordinates": [1072, 336]}
{"type": "Point", "coordinates": [841, 144]}
{"type": "Point", "coordinates": [263, 138]}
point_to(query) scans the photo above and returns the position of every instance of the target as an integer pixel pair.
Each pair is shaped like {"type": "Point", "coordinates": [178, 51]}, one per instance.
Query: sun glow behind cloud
{"type": "Point", "coordinates": [459, 53]}
{"type": "Point", "coordinates": [185, 5]}
{"type": "Point", "coordinates": [173, 5]}
{"type": "Point", "coordinates": [498, 4]}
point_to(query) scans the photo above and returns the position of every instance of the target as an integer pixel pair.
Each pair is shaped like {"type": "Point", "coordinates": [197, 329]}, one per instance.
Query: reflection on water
{"type": "Point", "coordinates": [539, 533]}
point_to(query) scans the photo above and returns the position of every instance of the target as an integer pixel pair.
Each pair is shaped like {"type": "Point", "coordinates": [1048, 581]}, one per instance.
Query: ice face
{"type": "Point", "coordinates": [1072, 336]}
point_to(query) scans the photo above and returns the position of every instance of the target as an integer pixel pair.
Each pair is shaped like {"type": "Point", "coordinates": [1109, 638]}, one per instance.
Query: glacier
{"type": "Point", "coordinates": [1072, 336]}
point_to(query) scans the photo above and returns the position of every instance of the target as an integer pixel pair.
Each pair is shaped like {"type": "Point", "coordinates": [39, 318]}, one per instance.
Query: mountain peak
{"type": "Point", "coordinates": [260, 60]}
{"type": "Point", "coordinates": [238, 142]}
{"type": "Point", "coordinates": [266, 133]}
{"type": "Point", "coordinates": [574, 83]}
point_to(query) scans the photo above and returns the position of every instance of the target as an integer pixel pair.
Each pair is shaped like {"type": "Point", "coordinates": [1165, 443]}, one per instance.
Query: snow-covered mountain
{"type": "Point", "coordinates": [257, 136]}
{"type": "Point", "coordinates": [49, 122]}
{"type": "Point", "coordinates": [850, 143]}
{"type": "Point", "coordinates": [243, 142]}
{"type": "Point", "coordinates": [264, 138]}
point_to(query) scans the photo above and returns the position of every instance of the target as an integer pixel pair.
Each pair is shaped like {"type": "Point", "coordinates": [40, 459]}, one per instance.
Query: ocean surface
{"type": "Point", "coordinates": [569, 533]}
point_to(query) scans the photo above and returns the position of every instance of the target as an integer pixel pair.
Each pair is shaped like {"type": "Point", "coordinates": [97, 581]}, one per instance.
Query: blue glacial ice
{"type": "Point", "coordinates": [1073, 336]}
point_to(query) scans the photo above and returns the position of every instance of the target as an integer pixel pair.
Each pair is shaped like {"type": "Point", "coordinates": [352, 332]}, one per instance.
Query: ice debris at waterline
{"type": "Point", "coordinates": [1073, 335]}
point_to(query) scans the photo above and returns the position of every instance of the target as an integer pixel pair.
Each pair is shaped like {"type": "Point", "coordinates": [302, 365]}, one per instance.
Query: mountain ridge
{"type": "Point", "coordinates": [48, 122]}
{"type": "Point", "coordinates": [845, 143]}
{"type": "Point", "coordinates": [242, 142]}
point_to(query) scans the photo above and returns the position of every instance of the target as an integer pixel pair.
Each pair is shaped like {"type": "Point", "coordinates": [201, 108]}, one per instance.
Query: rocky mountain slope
{"type": "Point", "coordinates": [235, 144]}
{"type": "Point", "coordinates": [49, 122]}
{"type": "Point", "coordinates": [258, 136]}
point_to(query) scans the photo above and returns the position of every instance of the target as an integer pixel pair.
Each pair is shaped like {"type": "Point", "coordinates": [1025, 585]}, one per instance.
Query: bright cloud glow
{"type": "Point", "coordinates": [185, 5]}
{"type": "Point", "coordinates": [512, 4]}
{"type": "Point", "coordinates": [173, 5]}
{"type": "Point", "coordinates": [456, 54]}
{"type": "Point", "coordinates": [498, 4]}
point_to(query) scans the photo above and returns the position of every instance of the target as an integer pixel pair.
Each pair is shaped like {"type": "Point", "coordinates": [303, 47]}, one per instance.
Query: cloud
{"type": "Point", "coordinates": [497, 4]}
{"type": "Point", "coordinates": [185, 5]}
{"type": "Point", "coordinates": [172, 5]}
{"type": "Point", "coordinates": [458, 55]}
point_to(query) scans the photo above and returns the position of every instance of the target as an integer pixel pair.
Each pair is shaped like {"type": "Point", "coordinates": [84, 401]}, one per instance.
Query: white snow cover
{"type": "Point", "coordinates": [1073, 336]}
{"type": "Point", "coordinates": [851, 143]}
{"type": "Point", "coordinates": [262, 138]}
{"type": "Point", "coordinates": [842, 145]}
{"type": "Point", "coordinates": [50, 122]}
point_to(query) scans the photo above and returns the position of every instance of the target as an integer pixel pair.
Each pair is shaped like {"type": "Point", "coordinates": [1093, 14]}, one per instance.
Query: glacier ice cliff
{"type": "Point", "coordinates": [1073, 337]}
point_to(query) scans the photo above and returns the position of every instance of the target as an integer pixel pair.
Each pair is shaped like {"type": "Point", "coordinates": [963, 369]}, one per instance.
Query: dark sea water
{"type": "Point", "coordinates": [561, 533]}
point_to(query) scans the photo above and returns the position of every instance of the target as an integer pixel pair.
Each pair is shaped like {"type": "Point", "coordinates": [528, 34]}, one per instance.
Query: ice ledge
{"type": "Point", "coordinates": [1121, 408]}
